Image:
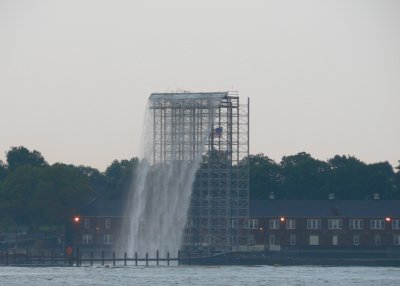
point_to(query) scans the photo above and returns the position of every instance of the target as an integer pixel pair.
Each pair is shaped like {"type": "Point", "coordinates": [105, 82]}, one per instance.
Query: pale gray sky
{"type": "Point", "coordinates": [323, 76]}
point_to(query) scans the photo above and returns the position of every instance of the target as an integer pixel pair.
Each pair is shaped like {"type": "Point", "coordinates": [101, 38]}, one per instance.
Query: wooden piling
{"type": "Point", "coordinates": [168, 258]}
{"type": "Point", "coordinates": [50, 257]}
{"type": "Point", "coordinates": [91, 258]}
{"type": "Point", "coordinates": [78, 254]}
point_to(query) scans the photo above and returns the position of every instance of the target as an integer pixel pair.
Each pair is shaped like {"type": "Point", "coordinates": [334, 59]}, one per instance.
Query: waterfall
{"type": "Point", "coordinates": [176, 130]}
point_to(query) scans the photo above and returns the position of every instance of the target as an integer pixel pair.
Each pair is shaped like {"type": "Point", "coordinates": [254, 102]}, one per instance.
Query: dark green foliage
{"type": "Point", "coordinates": [34, 194]}
{"type": "Point", "coordinates": [120, 177]}
{"type": "Point", "coordinates": [265, 176]}
{"type": "Point", "coordinates": [97, 180]}
{"type": "Point", "coordinates": [348, 177]}
{"type": "Point", "coordinates": [17, 194]}
{"type": "Point", "coordinates": [44, 195]}
{"type": "Point", "coordinates": [396, 182]}
{"type": "Point", "coordinates": [20, 156]}
{"type": "Point", "coordinates": [62, 190]}
{"type": "Point", "coordinates": [302, 177]}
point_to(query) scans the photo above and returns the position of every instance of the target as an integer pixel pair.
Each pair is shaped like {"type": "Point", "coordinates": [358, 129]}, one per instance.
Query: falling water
{"type": "Point", "coordinates": [157, 209]}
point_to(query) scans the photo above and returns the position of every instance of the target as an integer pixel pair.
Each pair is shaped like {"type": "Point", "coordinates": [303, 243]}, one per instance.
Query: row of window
{"type": "Point", "coordinates": [314, 239]}
{"type": "Point", "coordinates": [317, 224]}
{"type": "Point", "coordinates": [86, 223]}
{"type": "Point", "coordinates": [88, 239]}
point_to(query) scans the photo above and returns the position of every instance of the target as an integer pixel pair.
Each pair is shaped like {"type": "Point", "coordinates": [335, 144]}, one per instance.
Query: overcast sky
{"type": "Point", "coordinates": [322, 76]}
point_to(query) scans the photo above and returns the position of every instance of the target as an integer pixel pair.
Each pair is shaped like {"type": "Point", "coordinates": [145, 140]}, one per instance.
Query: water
{"type": "Point", "coordinates": [173, 142]}
{"type": "Point", "coordinates": [191, 275]}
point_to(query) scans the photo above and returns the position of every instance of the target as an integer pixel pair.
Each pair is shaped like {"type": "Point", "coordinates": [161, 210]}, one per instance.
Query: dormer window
{"type": "Point", "coordinates": [86, 223]}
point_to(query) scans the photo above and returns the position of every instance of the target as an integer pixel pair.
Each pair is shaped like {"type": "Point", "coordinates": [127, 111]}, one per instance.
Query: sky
{"type": "Point", "coordinates": [323, 77]}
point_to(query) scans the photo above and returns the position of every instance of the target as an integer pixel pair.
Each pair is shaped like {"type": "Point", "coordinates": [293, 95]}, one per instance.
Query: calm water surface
{"type": "Point", "coordinates": [200, 275]}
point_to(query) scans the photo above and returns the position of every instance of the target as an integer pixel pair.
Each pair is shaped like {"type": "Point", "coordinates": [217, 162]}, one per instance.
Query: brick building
{"type": "Point", "coordinates": [98, 224]}
{"type": "Point", "coordinates": [274, 224]}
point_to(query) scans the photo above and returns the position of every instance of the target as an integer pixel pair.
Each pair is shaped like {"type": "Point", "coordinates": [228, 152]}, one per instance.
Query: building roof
{"type": "Point", "coordinates": [104, 208]}
{"type": "Point", "coordinates": [277, 208]}
{"type": "Point", "coordinates": [325, 208]}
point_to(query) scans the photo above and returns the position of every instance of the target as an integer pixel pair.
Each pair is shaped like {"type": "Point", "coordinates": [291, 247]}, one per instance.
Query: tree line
{"type": "Point", "coordinates": [301, 176]}
{"type": "Point", "coordinates": [35, 193]}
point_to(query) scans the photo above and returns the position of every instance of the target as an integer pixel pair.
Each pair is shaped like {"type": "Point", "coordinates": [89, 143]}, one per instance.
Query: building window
{"type": "Point", "coordinates": [274, 223]}
{"type": "Point", "coordinates": [314, 239]}
{"type": "Point", "coordinates": [292, 239]}
{"type": "Point", "coordinates": [356, 239]}
{"type": "Point", "coordinates": [291, 224]}
{"type": "Point", "coordinates": [313, 224]}
{"type": "Point", "coordinates": [334, 224]}
{"type": "Point", "coordinates": [272, 240]}
{"type": "Point", "coordinates": [107, 239]}
{"type": "Point", "coordinates": [86, 223]}
{"type": "Point", "coordinates": [396, 224]}
{"type": "Point", "coordinates": [251, 239]}
{"type": "Point", "coordinates": [87, 239]}
{"type": "Point", "coordinates": [377, 239]}
{"type": "Point", "coordinates": [396, 239]}
{"type": "Point", "coordinates": [251, 224]}
{"type": "Point", "coordinates": [108, 223]}
{"type": "Point", "coordinates": [377, 224]}
{"type": "Point", "coordinates": [335, 240]}
{"type": "Point", "coordinates": [234, 223]}
{"type": "Point", "coordinates": [356, 224]}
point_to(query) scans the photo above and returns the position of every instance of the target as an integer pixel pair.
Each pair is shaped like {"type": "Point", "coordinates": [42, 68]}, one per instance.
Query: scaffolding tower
{"type": "Point", "coordinates": [220, 197]}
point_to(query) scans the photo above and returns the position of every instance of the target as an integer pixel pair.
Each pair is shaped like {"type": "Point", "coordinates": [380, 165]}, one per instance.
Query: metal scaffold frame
{"type": "Point", "coordinates": [220, 197]}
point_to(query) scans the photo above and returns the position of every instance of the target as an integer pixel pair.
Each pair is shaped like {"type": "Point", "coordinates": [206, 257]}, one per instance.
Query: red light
{"type": "Point", "coordinates": [77, 219]}
{"type": "Point", "coordinates": [388, 219]}
{"type": "Point", "coordinates": [282, 219]}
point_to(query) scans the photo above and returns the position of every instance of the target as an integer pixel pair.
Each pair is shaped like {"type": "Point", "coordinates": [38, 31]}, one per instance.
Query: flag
{"type": "Point", "coordinates": [218, 132]}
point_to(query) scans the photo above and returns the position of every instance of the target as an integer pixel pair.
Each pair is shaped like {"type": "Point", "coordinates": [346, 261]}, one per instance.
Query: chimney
{"type": "Point", "coordinates": [271, 196]}
{"type": "Point", "coordinates": [331, 197]}
{"type": "Point", "coordinates": [377, 196]}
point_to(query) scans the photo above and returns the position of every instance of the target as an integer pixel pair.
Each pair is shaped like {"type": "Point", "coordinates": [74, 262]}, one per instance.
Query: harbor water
{"type": "Point", "coordinates": [201, 275]}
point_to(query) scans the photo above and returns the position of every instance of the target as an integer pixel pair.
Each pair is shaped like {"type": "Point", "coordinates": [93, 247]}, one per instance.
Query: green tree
{"type": "Point", "coordinates": [265, 177]}
{"type": "Point", "coordinates": [61, 191]}
{"type": "Point", "coordinates": [37, 196]}
{"type": "Point", "coordinates": [17, 194]}
{"type": "Point", "coordinates": [348, 177]}
{"type": "Point", "coordinates": [3, 171]}
{"type": "Point", "coordinates": [98, 181]}
{"type": "Point", "coordinates": [120, 177]}
{"type": "Point", "coordinates": [304, 177]}
{"type": "Point", "coordinates": [379, 179]}
{"type": "Point", "coordinates": [396, 183]}
{"type": "Point", "coordinates": [21, 156]}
